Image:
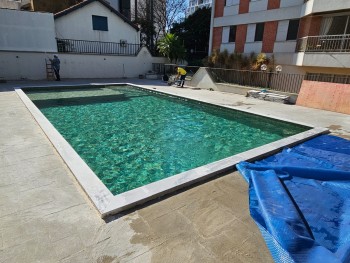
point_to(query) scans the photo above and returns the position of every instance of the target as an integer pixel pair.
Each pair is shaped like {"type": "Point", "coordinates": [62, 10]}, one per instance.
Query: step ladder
{"type": "Point", "coordinates": [50, 75]}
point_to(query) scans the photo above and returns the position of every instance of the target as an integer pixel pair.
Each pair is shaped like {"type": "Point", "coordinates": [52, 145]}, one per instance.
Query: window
{"type": "Point", "coordinates": [232, 35]}
{"type": "Point", "coordinates": [99, 23]}
{"type": "Point", "coordinates": [259, 32]}
{"type": "Point", "coordinates": [336, 25]}
{"type": "Point", "coordinates": [293, 27]}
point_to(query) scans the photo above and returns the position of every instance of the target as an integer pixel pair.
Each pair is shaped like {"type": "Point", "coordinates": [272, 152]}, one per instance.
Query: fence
{"type": "Point", "coordinates": [334, 43]}
{"type": "Point", "coordinates": [290, 83]}
{"type": "Point", "coordinates": [333, 78]}
{"type": "Point", "coordinates": [97, 47]}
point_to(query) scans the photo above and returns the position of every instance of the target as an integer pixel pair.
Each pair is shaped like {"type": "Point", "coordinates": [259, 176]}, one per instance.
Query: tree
{"type": "Point", "coordinates": [156, 16]}
{"type": "Point", "coordinates": [171, 47]}
{"type": "Point", "coordinates": [194, 31]}
{"type": "Point", "coordinates": [175, 10]}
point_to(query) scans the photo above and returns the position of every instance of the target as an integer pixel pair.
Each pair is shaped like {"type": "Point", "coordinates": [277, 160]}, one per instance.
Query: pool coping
{"type": "Point", "coordinates": [106, 203]}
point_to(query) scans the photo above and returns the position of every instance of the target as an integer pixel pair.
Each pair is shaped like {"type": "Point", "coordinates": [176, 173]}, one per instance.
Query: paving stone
{"type": "Point", "coordinates": [66, 247]}
{"type": "Point", "coordinates": [115, 240]}
{"type": "Point", "coordinates": [209, 219]}
{"type": "Point", "coordinates": [252, 249]}
{"type": "Point", "coordinates": [9, 200]}
{"type": "Point", "coordinates": [82, 256]}
{"type": "Point", "coordinates": [182, 248]}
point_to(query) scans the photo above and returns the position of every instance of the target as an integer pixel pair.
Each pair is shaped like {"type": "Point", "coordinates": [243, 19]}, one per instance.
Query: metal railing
{"type": "Point", "coordinates": [96, 47]}
{"type": "Point", "coordinates": [332, 78]}
{"type": "Point", "coordinates": [334, 43]}
{"type": "Point", "coordinates": [290, 83]}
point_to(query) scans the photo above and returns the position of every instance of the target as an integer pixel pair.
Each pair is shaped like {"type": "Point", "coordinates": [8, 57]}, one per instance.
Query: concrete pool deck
{"type": "Point", "coordinates": [46, 217]}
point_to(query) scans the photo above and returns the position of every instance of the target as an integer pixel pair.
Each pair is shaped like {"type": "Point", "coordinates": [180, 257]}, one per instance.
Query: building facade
{"type": "Point", "coordinates": [193, 5]}
{"type": "Point", "coordinates": [305, 36]}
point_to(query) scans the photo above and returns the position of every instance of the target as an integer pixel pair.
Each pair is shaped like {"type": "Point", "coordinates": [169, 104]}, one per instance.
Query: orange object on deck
{"type": "Point", "coordinates": [324, 95]}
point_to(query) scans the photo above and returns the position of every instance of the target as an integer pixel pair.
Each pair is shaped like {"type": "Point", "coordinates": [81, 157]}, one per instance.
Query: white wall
{"type": "Point", "coordinates": [225, 34]}
{"type": "Point", "coordinates": [288, 3]}
{"type": "Point", "coordinates": [282, 30]}
{"type": "Point", "coordinates": [319, 6]}
{"type": "Point", "coordinates": [253, 47]}
{"type": "Point", "coordinates": [230, 47]}
{"type": "Point", "coordinates": [250, 33]}
{"type": "Point", "coordinates": [231, 10]}
{"type": "Point", "coordinates": [78, 25]}
{"type": "Point", "coordinates": [257, 5]}
{"type": "Point", "coordinates": [31, 65]}
{"type": "Point", "coordinates": [27, 31]}
{"type": "Point", "coordinates": [232, 2]}
{"type": "Point", "coordinates": [285, 46]}
{"type": "Point", "coordinates": [331, 60]}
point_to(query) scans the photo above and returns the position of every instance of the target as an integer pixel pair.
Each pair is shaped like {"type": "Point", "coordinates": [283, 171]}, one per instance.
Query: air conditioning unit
{"type": "Point", "coordinates": [123, 42]}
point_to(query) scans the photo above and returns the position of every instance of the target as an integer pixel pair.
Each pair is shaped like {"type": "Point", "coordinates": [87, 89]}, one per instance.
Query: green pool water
{"type": "Point", "coordinates": [131, 137]}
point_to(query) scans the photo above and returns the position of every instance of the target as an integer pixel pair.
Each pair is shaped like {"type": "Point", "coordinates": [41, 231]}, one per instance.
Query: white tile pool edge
{"type": "Point", "coordinates": [106, 203]}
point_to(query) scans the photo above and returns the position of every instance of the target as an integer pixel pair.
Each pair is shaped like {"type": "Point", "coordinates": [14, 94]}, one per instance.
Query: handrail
{"type": "Point", "coordinates": [324, 43]}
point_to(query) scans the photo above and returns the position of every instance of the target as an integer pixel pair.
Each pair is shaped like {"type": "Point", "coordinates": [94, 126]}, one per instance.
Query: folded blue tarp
{"type": "Point", "coordinates": [300, 200]}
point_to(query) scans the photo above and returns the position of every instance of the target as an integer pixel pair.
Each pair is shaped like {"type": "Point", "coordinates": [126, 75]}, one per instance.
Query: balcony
{"type": "Point", "coordinates": [321, 6]}
{"type": "Point", "coordinates": [335, 43]}
{"type": "Point", "coordinates": [323, 51]}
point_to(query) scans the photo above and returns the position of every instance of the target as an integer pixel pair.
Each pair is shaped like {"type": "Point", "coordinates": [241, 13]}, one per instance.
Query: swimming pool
{"type": "Point", "coordinates": [132, 137]}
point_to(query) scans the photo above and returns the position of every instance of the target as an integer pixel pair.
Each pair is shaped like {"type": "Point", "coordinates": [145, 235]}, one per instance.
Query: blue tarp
{"type": "Point", "coordinates": [300, 200]}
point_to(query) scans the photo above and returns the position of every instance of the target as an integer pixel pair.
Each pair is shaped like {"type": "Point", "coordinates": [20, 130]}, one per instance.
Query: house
{"type": "Point", "coordinates": [95, 20]}
{"type": "Point", "coordinates": [306, 37]}
{"type": "Point", "coordinates": [93, 40]}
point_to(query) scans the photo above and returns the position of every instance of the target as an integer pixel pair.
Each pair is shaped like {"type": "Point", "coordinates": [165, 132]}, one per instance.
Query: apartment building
{"type": "Point", "coordinates": [305, 36]}
{"type": "Point", "coordinates": [193, 5]}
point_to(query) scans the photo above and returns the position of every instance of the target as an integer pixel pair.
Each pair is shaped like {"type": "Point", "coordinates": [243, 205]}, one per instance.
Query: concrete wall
{"type": "Point", "coordinates": [325, 96]}
{"type": "Point", "coordinates": [202, 79]}
{"type": "Point", "coordinates": [335, 60]}
{"type": "Point", "coordinates": [78, 25]}
{"type": "Point", "coordinates": [27, 31]}
{"type": "Point", "coordinates": [30, 65]}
